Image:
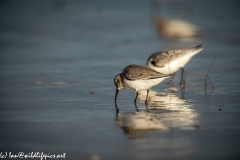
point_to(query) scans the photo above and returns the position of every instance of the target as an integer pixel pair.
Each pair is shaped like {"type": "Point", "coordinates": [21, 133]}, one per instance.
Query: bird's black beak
{"type": "Point", "coordinates": [117, 110]}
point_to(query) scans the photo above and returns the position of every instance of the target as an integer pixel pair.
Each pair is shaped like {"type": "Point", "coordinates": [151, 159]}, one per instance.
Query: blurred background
{"type": "Point", "coordinates": [58, 59]}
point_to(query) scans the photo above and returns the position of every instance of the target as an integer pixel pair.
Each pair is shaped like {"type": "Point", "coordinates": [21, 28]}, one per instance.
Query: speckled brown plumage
{"type": "Point", "coordinates": [161, 58]}
{"type": "Point", "coordinates": [135, 72]}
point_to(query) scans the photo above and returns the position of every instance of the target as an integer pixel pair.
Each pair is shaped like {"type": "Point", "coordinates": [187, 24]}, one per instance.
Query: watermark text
{"type": "Point", "coordinates": [37, 155]}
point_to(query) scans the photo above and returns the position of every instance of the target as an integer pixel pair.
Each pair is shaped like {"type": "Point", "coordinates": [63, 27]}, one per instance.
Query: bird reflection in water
{"type": "Point", "coordinates": [166, 112]}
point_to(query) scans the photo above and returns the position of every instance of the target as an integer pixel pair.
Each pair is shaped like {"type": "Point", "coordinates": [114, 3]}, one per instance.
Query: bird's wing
{"type": "Point", "coordinates": [160, 59]}
{"type": "Point", "coordinates": [136, 72]}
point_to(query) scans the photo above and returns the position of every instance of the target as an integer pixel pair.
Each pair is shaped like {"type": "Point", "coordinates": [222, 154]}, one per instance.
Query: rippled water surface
{"type": "Point", "coordinates": [58, 61]}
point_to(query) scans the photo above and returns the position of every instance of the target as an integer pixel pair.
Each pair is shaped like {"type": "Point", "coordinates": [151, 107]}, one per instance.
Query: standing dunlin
{"type": "Point", "coordinates": [170, 61]}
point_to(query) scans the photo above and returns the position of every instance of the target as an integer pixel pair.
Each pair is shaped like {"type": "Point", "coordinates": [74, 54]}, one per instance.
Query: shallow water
{"type": "Point", "coordinates": [58, 61]}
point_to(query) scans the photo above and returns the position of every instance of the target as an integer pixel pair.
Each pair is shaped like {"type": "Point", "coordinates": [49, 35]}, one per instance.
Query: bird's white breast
{"type": "Point", "coordinates": [141, 84]}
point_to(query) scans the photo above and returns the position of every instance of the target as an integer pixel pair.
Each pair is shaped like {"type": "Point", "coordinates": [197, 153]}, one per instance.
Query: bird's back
{"type": "Point", "coordinates": [169, 61]}
{"type": "Point", "coordinates": [137, 72]}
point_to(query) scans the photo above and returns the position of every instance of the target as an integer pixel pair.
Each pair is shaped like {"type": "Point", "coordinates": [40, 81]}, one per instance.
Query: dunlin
{"type": "Point", "coordinates": [170, 61]}
{"type": "Point", "coordinates": [137, 78]}
{"type": "Point", "coordinates": [177, 29]}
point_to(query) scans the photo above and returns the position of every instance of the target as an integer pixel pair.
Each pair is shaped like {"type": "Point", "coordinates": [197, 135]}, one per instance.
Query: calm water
{"type": "Point", "coordinates": [58, 61]}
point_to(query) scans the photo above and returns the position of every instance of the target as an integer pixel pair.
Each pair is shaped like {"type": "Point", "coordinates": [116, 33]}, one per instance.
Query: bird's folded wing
{"type": "Point", "coordinates": [141, 73]}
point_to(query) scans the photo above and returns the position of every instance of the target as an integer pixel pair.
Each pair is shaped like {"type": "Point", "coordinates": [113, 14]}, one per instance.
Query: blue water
{"type": "Point", "coordinates": [59, 58]}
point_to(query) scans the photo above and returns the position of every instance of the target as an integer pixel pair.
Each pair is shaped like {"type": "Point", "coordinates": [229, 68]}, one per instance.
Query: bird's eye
{"type": "Point", "coordinates": [153, 63]}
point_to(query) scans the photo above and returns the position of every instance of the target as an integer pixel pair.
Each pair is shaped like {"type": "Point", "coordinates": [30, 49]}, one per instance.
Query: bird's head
{"type": "Point", "coordinates": [118, 82]}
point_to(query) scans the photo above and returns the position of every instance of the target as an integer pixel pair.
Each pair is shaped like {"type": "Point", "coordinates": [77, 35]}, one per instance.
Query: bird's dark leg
{"type": "Point", "coordinates": [147, 96]}
{"type": "Point", "coordinates": [183, 91]}
{"type": "Point", "coordinates": [136, 106]}
{"type": "Point", "coordinates": [146, 100]}
{"type": "Point", "coordinates": [182, 82]}
{"type": "Point", "coordinates": [146, 107]}
{"type": "Point", "coordinates": [171, 80]}
{"type": "Point", "coordinates": [136, 98]}
{"type": "Point", "coordinates": [117, 110]}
